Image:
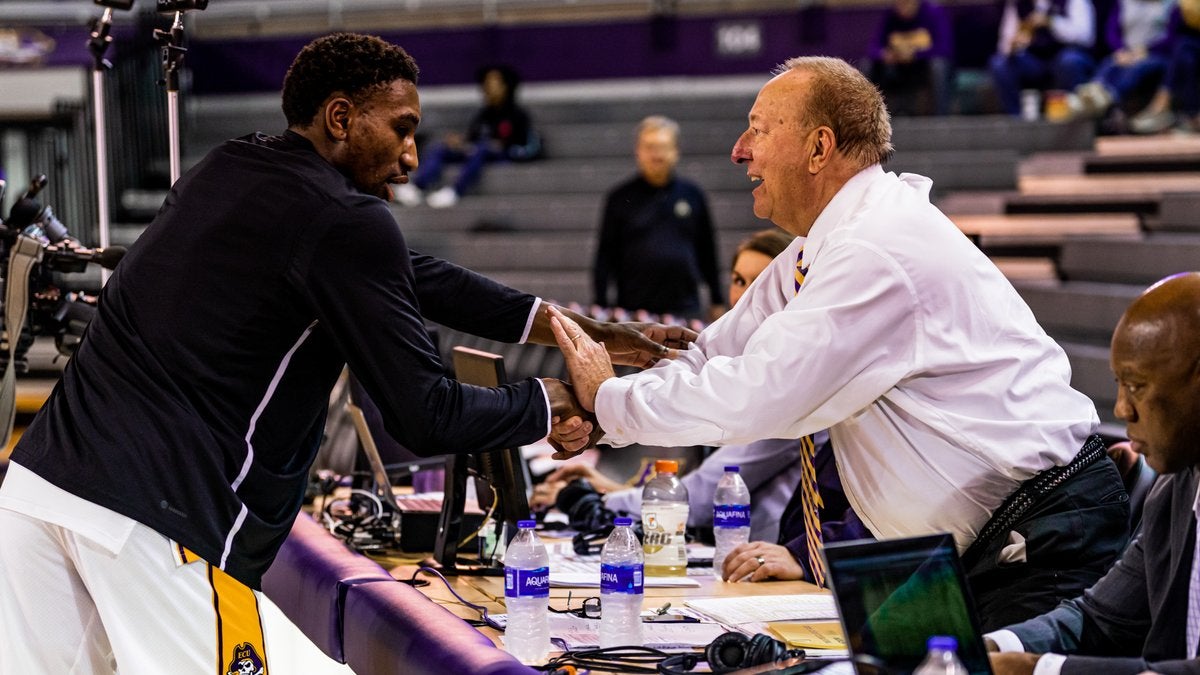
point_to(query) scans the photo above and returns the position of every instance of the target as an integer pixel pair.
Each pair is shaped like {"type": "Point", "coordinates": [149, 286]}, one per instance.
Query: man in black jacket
{"type": "Point", "coordinates": [1144, 615]}
{"type": "Point", "coordinates": [156, 485]}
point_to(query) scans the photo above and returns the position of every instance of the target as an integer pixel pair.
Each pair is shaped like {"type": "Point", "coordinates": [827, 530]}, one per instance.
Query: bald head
{"type": "Point", "coordinates": [1156, 359]}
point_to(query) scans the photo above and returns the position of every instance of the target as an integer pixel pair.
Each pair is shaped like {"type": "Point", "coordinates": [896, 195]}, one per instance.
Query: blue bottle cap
{"type": "Point", "coordinates": [946, 642]}
{"type": "Point", "coordinates": [623, 522]}
{"type": "Point", "coordinates": [731, 468]}
{"type": "Point", "coordinates": [526, 524]}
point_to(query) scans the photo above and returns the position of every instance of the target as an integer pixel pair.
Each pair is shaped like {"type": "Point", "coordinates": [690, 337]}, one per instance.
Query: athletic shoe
{"type": "Point", "coordinates": [407, 194]}
{"type": "Point", "coordinates": [443, 198]}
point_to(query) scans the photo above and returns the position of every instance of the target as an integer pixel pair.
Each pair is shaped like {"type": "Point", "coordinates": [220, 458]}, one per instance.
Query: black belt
{"type": "Point", "coordinates": [1028, 495]}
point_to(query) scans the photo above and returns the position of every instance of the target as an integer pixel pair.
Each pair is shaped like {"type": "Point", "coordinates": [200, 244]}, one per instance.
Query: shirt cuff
{"type": "Point", "coordinates": [1049, 664]}
{"type": "Point", "coordinates": [546, 398]}
{"type": "Point", "coordinates": [610, 398]}
{"type": "Point", "coordinates": [537, 305]}
{"type": "Point", "coordinates": [1006, 640]}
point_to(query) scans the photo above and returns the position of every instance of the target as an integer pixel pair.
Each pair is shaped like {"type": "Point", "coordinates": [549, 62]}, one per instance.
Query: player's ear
{"type": "Point", "coordinates": [336, 115]}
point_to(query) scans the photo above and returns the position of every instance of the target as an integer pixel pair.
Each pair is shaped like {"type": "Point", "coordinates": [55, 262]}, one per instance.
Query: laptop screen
{"type": "Point", "coordinates": [893, 595]}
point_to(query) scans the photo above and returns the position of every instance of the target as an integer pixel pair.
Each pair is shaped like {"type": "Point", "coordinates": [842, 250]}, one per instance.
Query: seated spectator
{"type": "Point", "coordinates": [1044, 44]}
{"type": "Point", "coordinates": [910, 60]}
{"type": "Point", "coordinates": [1177, 101]}
{"type": "Point", "coordinates": [1136, 34]}
{"type": "Point", "coordinates": [500, 131]}
{"type": "Point", "coordinates": [656, 241]}
{"type": "Point", "coordinates": [1143, 614]}
{"type": "Point", "coordinates": [771, 468]}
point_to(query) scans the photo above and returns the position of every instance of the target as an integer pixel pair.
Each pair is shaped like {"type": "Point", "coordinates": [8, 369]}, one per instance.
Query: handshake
{"type": "Point", "coordinates": [590, 354]}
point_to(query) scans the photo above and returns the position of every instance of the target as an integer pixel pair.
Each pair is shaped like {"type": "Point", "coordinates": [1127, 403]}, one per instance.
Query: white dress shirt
{"type": "Point", "coordinates": [939, 389]}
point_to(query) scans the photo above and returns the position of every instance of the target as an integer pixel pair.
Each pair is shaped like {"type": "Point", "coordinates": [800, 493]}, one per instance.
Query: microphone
{"type": "Point", "coordinates": [27, 209]}
{"type": "Point", "coordinates": [70, 257]}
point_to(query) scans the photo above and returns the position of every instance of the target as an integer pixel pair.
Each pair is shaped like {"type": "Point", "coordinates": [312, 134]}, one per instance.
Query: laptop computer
{"type": "Point", "coordinates": [893, 594]}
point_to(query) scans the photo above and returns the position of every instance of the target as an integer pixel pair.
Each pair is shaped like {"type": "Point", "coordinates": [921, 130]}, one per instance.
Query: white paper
{"type": "Point", "coordinates": [572, 632]}
{"type": "Point", "coordinates": [764, 608]}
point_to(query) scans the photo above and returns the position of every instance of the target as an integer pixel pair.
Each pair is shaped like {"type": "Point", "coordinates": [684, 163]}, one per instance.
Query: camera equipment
{"type": "Point", "coordinates": [98, 43]}
{"type": "Point", "coordinates": [171, 41]}
{"type": "Point", "coordinates": [165, 6]}
{"type": "Point", "coordinates": [34, 244]}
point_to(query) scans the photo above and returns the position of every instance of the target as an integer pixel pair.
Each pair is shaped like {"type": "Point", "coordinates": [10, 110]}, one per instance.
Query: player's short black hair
{"type": "Point", "coordinates": [353, 64]}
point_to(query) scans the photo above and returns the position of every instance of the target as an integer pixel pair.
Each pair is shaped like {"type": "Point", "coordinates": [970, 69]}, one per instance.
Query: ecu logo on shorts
{"type": "Point", "coordinates": [246, 661]}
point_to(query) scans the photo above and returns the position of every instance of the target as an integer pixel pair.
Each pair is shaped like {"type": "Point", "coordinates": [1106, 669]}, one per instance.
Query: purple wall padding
{"type": "Point", "coordinates": [392, 628]}
{"type": "Point", "coordinates": [645, 48]}
{"type": "Point", "coordinates": [309, 580]}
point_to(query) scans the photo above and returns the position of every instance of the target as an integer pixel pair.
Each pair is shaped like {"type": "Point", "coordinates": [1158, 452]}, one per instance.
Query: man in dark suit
{"type": "Point", "coordinates": [1136, 618]}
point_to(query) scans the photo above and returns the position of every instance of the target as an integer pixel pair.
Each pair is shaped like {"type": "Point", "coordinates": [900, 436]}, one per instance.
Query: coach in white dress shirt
{"type": "Point", "coordinates": [941, 393]}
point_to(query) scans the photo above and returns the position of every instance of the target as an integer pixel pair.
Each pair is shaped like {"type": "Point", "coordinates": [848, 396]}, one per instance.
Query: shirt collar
{"type": "Point", "coordinates": [1196, 504]}
{"type": "Point", "coordinates": [846, 199]}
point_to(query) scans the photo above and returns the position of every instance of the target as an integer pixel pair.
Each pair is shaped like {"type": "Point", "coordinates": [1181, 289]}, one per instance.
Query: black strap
{"type": "Point", "coordinates": [1028, 495]}
{"type": "Point", "coordinates": [26, 252]}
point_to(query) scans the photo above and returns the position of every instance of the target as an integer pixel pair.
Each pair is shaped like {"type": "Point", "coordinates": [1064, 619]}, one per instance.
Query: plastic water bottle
{"type": "Point", "coordinates": [527, 596]}
{"type": "Point", "coordinates": [621, 567]}
{"type": "Point", "coordinates": [664, 522]}
{"type": "Point", "coordinates": [942, 658]}
{"type": "Point", "coordinates": [731, 516]}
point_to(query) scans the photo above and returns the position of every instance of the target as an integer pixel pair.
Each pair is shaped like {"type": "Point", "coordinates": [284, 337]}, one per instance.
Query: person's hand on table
{"type": "Point", "coordinates": [569, 472]}
{"type": "Point", "coordinates": [572, 428]}
{"type": "Point", "coordinates": [761, 561]}
{"type": "Point", "coordinates": [1013, 663]}
{"type": "Point", "coordinates": [545, 494]}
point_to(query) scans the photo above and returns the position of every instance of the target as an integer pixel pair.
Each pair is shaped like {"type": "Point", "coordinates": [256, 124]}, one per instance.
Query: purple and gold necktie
{"type": "Point", "coordinates": [811, 494]}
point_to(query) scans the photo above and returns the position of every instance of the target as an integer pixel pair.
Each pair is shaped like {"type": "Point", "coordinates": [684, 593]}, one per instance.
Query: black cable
{"type": "Point", "coordinates": [628, 659]}
{"type": "Point", "coordinates": [483, 612]}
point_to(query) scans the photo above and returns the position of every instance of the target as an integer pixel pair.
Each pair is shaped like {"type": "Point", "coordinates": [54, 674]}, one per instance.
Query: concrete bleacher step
{"type": "Point", "coordinates": [1144, 204]}
{"type": "Point", "coordinates": [599, 175]}
{"type": "Point", "coordinates": [557, 285]}
{"type": "Point", "coordinates": [549, 213]}
{"type": "Point", "coordinates": [1177, 212]}
{"type": "Point", "coordinates": [1080, 311]}
{"type": "Point", "coordinates": [1125, 184]}
{"type": "Point", "coordinates": [1144, 146]}
{"type": "Point", "coordinates": [950, 170]}
{"type": "Point", "coordinates": [1009, 231]}
{"type": "Point", "coordinates": [1138, 262]}
{"type": "Point", "coordinates": [1092, 375]}
{"type": "Point", "coordinates": [534, 251]}
{"type": "Point", "coordinates": [1157, 163]}
{"type": "Point", "coordinates": [990, 132]}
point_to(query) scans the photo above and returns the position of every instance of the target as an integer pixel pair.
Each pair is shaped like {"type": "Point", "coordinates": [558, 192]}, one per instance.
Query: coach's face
{"type": "Point", "coordinates": [776, 148]}
{"type": "Point", "coordinates": [1156, 361]}
{"type": "Point", "coordinates": [377, 137]}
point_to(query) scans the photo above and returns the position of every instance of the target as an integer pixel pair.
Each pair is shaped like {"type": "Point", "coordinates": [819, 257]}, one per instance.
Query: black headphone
{"type": "Point", "coordinates": [730, 652]}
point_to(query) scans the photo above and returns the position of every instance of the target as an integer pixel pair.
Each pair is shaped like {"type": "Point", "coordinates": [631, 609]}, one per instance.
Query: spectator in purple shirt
{"type": "Point", "coordinates": [910, 60]}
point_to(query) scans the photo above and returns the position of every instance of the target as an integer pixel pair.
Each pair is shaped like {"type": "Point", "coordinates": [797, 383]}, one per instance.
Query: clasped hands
{"type": "Point", "coordinates": [589, 358]}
